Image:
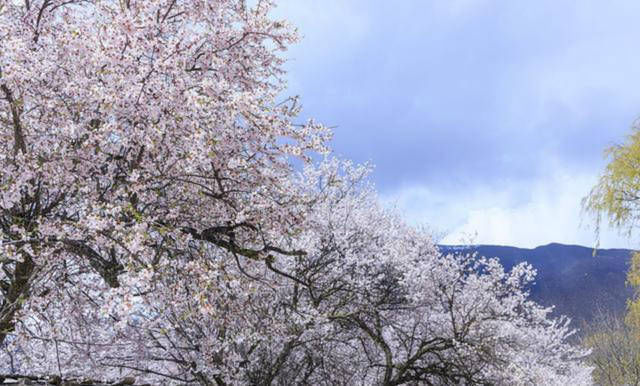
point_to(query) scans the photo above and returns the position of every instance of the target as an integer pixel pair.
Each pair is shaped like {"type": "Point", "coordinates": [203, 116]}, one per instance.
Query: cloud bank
{"type": "Point", "coordinates": [496, 113]}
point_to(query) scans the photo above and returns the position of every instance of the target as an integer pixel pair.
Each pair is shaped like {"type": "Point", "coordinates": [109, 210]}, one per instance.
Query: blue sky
{"type": "Point", "coordinates": [486, 120]}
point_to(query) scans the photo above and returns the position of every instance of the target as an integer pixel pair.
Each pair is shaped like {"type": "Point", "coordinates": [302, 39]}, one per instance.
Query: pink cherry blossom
{"type": "Point", "coordinates": [153, 224]}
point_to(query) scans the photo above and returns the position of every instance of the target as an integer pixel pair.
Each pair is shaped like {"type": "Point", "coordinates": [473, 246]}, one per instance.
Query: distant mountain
{"type": "Point", "coordinates": [569, 276]}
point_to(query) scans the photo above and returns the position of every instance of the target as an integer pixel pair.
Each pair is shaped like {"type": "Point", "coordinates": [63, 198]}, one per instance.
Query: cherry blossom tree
{"type": "Point", "coordinates": [153, 224]}
{"type": "Point", "coordinates": [132, 126]}
{"type": "Point", "coordinates": [371, 302]}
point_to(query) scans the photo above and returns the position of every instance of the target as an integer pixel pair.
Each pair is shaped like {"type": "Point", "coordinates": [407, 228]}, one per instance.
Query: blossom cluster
{"type": "Point", "coordinates": [154, 224]}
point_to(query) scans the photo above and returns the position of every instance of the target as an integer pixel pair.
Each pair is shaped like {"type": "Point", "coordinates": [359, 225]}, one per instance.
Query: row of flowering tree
{"type": "Point", "coordinates": [153, 225]}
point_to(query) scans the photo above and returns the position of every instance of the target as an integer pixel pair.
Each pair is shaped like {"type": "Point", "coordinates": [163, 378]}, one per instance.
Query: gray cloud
{"type": "Point", "coordinates": [469, 94]}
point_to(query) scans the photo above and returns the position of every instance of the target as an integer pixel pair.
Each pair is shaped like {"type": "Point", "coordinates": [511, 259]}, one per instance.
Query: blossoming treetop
{"type": "Point", "coordinates": [152, 223]}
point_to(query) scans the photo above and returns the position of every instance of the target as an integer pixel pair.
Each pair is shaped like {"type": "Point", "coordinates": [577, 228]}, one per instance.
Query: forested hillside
{"type": "Point", "coordinates": [579, 283]}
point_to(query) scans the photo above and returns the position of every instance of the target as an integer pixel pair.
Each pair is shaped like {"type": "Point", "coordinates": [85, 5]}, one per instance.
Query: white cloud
{"type": "Point", "coordinates": [549, 212]}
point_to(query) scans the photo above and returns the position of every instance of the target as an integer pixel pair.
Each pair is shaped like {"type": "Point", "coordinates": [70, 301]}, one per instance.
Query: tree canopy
{"type": "Point", "coordinates": [617, 193]}
{"type": "Point", "coordinates": [616, 198]}
{"type": "Point", "coordinates": [154, 226]}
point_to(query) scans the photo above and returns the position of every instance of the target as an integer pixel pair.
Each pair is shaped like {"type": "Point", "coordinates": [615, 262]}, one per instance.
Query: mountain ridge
{"type": "Point", "coordinates": [576, 281]}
